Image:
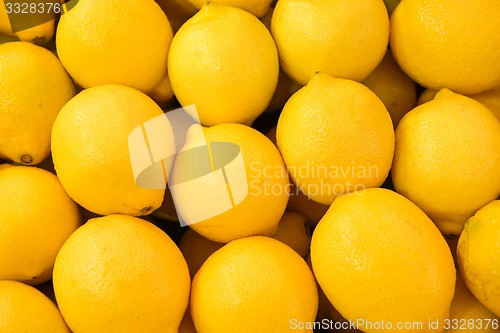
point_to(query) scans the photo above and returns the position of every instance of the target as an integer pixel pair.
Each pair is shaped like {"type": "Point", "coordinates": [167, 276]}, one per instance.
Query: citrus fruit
{"type": "Point", "coordinates": [490, 99]}
{"type": "Point", "coordinates": [37, 27]}
{"type": "Point", "coordinates": [196, 249]}
{"type": "Point", "coordinates": [467, 313]}
{"type": "Point", "coordinates": [91, 154]}
{"type": "Point", "coordinates": [379, 258]}
{"type": "Point", "coordinates": [293, 231]}
{"type": "Point", "coordinates": [477, 253]}
{"type": "Point", "coordinates": [426, 96]}
{"type": "Point", "coordinates": [445, 44]}
{"type": "Point", "coordinates": [447, 159]}
{"type": "Point", "coordinates": [301, 203]}
{"type": "Point", "coordinates": [234, 186]}
{"type": "Point", "coordinates": [253, 284]}
{"type": "Point", "coordinates": [335, 136]}
{"type": "Point", "coordinates": [33, 88]}
{"type": "Point", "coordinates": [25, 309]}
{"type": "Point", "coordinates": [119, 273]}
{"type": "Point", "coordinates": [394, 88]}
{"type": "Point", "coordinates": [224, 61]}
{"type": "Point", "coordinates": [177, 11]}
{"type": "Point", "coordinates": [167, 209]}
{"type": "Point", "coordinates": [344, 38]}
{"type": "Point", "coordinates": [115, 42]}
{"type": "Point", "coordinates": [37, 216]}
{"type": "Point", "coordinates": [258, 8]}
{"type": "Point", "coordinates": [298, 201]}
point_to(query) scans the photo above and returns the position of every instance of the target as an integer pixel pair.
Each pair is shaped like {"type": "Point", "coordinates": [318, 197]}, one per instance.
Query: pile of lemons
{"type": "Point", "coordinates": [370, 138]}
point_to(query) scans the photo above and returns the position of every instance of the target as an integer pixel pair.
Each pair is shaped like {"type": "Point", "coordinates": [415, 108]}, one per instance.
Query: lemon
{"type": "Point", "coordinates": [477, 255]}
{"type": "Point", "coordinates": [249, 200]}
{"type": "Point", "coordinates": [298, 201]}
{"type": "Point", "coordinates": [335, 136]}
{"type": "Point", "coordinates": [301, 203]}
{"type": "Point", "coordinates": [177, 11]}
{"type": "Point", "coordinates": [467, 313]}
{"type": "Point", "coordinates": [38, 27]}
{"type": "Point", "coordinates": [293, 231]}
{"type": "Point", "coordinates": [25, 309]}
{"type": "Point", "coordinates": [167, 209]}
{"type": "Point", "coordinates": [447, 159]}
{"type": "Point", "coordinates": [162, 93]}
{"type": "Point", "coordinates": [196, 249]}
{"type": "Point", "coordinates": [378, 257]}
{"type": "Point", "coordinates": [91, 154]}
{"type": "Point", "coordinates": [344, 38]}
{"type": "Point", "coordinates": [115, 42]}
{"type": "Point", "coordinates": [33, 88]}
{"type": "Point", "coordinates": [326, 311]}
{"type": "Point", "coordinates": [119, 273]}
{"type": "Point", "coordinates": [258, 8]}
{"type": "Point", "coordinates": [441, 44]}
{"type": "Point", "coordinates": [5, 166]}
{"type": "Point", "coordinates": [394, 88]}
{"type": "Point", "coordinates": [253, 284]}
{"type": "Point", "coordinates": [224, 61]}
{"type": "Point", "coordinates": [37, 217]}
{"type": "Point", "coordinates": [426, 96]}
{"type": "Point", "coordinates": [490, 99]}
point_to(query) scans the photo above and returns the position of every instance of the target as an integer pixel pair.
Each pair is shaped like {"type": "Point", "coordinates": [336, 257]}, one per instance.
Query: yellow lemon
{"type": "Point", "coordinates": [331, 320]}
{"type": "Point", "coordinates": [196, 249]}
{"type": "Point", "coordinates": [167, 209]}
{"type": "Point", "coordinates": [490, 99]}
{"type": "Point", "coordinates": [258, 8]}
{"type": "Point", "coordinates": [177, 11]}
{"type": "Point", "coordinates": [380, 259]}
{"type": "Point", "coordinates": [115, 42]}
{"type": "Point", "coordinates": [443, 44]}
{"type": "Point", "coordinates": [224, 61]}
{"type": "Point", "coordinates": [447, 159]}
{"type": "Point", "coordinates": [298, 201]}
{"type": "Point", "coordinates": [394, 88]}
{"type": "Point", "coordinates": [478, 248]}
{"type": "Point", "coordinates": [468, 314]}
{"type": "Point", "coordinates": [25, 309]}
{"type": "Point", "coordinates": [293, 231]}
{"type": "Point", "coordinates": [36, 25]}
{"type": "Point", "coordinates": [5, 166]}
{"type": "Point", "coordinates": [37, 216]}
{"type": "Point", "coordinates": [335, 136]}
{"type": "Point", "coordinates": [253, 284]}
{"type": "Point", "coordinates": [33, 88]}
{"type": "Point", "coordinates": [301, 203]}
{"type": "Point", "coordinates": [426, 96]}
{"type": "Point", "coordinates": [91, 154]}
{"type": "Point", "coordinates": [241, 184]}
{"type": "Point", "coordinates": [119, 273]}
{"type": "Point", "coordinates": [344, 38]}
